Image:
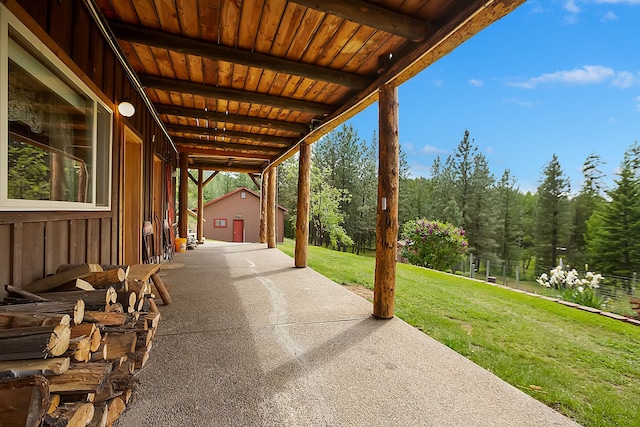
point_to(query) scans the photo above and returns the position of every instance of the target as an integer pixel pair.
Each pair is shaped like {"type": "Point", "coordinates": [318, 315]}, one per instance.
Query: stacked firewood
{"type": "Point", "coordinates": [72, 344]}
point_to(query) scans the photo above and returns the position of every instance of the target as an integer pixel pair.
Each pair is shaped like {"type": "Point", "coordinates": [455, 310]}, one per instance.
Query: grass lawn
{"type": "Point", "coordinates": [581, 364]}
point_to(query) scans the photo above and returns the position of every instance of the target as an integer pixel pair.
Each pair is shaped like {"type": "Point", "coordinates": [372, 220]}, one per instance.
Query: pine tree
{"type": "Point", "coordinates": [613, 231]}
{"type": "Point", "coordinates": [552, 219]}
{"type": "Point", "coordinates": [508, 224]}
{"type": "Point", "coordinates": [584, 205]}
{"type": "Point", "coordinates": [461, 165]}
{"type": "Point", "coordinates": [443, 206]}
{"type": "Point", "coordinates": [480, 223]}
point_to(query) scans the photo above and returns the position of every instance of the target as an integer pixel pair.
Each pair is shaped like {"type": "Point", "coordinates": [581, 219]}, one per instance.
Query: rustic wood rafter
{"type": "Point", "coordinates": [277, 141]}
{"type": "Point", "coordinates": [223, 167]}
{"type": "Point", "coordinates": [373, 16]}
{"type": "Point", "coordinates": [217, 52]}
{"type": "Point", "coordinates": [235, 119]}
{"type": "Point", "coordinates": [183, 86]}
{"type": "Point", "coordinates": [188, 143]}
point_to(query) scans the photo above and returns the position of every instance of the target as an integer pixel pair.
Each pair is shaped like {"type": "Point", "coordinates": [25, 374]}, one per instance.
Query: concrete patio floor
{"type": "Point", "coordinates": [251, 341]}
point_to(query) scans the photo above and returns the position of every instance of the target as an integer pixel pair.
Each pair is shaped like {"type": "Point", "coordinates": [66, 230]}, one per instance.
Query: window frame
{"type": "Point", "coordinates": [9, 24]}
{"type": "Point", "coordinates": [215, 221]}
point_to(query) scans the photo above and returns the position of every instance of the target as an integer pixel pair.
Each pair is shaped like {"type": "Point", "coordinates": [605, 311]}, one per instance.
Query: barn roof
{"type": "Point", "coordinates": [240, 84]}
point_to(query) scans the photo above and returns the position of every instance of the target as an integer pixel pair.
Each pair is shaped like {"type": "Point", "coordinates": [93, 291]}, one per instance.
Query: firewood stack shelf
{"type": "Point", "coordinates": [72, 344]}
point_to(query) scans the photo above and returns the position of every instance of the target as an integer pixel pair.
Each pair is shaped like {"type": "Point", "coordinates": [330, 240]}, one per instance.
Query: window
{"type": "Point", "coordinates": [55, 133]}
{"type": "Point", "coordinates": [220, 223]}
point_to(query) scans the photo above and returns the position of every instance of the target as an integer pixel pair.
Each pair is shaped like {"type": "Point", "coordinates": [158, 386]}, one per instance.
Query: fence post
{"type": "Point", "coordinates": [471, 266]}
{"type": "Point", "coordinates": [633, 283]}
{"type": "Point", "coordinates": [487, 279]}
{"type": "Point", "coordinates": [504, 274]}
{"type": "Point", "coordinates": [517, 276]}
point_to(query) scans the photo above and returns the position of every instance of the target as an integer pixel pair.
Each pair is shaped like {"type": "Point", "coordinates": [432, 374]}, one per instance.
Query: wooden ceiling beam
{"type": "Point", "coordinates": [374, 16]}
{"type": "Point", "coordinates": [220, 152]}
{"type": "Point", "coordinates": [257, 137]}
{"type": "Point", "coordinates": [218, 52]}
{"type": "Point", "coordinates": [232, 118]}
{"type": "Point", "coordinates": [222, 167]}
{"type": "Point", "coordinates": [197, 143]}
{"type": "Point", "coordinates": [183, 86]}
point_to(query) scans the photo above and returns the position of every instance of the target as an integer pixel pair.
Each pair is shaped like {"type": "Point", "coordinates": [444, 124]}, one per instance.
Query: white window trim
{"type": "Point", "coordinates": [7, 19]}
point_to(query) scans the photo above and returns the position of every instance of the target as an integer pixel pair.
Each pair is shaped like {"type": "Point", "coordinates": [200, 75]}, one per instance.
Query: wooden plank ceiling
{"type": "Point", "coordinates": [240, 83]}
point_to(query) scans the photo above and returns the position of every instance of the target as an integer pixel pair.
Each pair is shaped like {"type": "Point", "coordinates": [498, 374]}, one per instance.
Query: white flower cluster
{"type": "Point", "coordinates": [569, 279]}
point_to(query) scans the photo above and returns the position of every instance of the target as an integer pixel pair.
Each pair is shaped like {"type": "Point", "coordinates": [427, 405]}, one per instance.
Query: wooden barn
{"type": "Point", "coordinates": [102, 100]}
{"type": "Point", "coordinates": [235, 217]}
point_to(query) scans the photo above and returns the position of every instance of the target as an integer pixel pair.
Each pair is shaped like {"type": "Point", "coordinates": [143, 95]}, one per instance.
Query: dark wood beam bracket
{"type": "Point", "coordinates": [163, 83]}
{"type": "Point", "coordinates": [217, 52]}
{"type": "Point", "coordinates": [373, 16]}
{"type": "Point", "coordinates": [257, 137]}
{"type": "Point", "coordinates": [232, 118]}
{"type": "Point", "coordinates": [222, 167]}
{"type": "Point", "coordinates": [254, 179]}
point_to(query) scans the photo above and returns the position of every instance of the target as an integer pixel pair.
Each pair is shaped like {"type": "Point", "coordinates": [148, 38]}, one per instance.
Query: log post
{"type": "Point", "coordinates": [271, 207]}
{"type": "Point", "coordinates": [199, 228]}
{"type": "Point", "coordinates": [302, 218]}
{"type": "Point", "coordinates": [387, 218]}
{"type": "Point", "coordinates": [183, 220]}
{"type": "Point", "coordinates": [263, 206]}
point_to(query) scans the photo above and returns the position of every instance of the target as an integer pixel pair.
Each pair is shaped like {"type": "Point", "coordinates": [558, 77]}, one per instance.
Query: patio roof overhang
{"type": "Point", "coordinates": [238, 85]}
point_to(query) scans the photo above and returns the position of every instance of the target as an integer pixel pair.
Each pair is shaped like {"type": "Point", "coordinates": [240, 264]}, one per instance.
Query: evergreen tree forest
{"type": "Point", "coordinates": [591, 225]}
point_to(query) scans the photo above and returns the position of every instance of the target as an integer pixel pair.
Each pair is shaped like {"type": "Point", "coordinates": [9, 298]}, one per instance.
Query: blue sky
{"type": "Point", "coordinates": [552, 77]}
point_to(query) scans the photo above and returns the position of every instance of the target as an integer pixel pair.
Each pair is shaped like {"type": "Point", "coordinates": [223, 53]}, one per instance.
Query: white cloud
{"type": "Point", "coordinates": [430, 149]}
{"type": "Point", "coordinates": [489, 150]}
{"type": "Point", "coordinates": [438, 83]}
{"type": "Point", "coordinates": [587, 75]}
{"type": "Point", "coordinates": [418, 170]}
{"type": "Point", "coordinates": [536, 7]}
{"type": "Point", "coordinates": [609, 17]}
{"type": "Point", "coordinates": [476, 82]}
{"type": "Point", "coordinates": [521, 102]}
{"type": "Point", "coordinates": [637, 101]}
{"type": "Point", "coordinates": [625, 79]}
{"type": "Point", "coordinates": [571, 7]}
{"type": "Point", "coordinates": [618, 1]}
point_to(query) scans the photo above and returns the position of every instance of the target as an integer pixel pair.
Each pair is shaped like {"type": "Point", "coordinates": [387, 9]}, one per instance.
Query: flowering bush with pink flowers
{"type": "Point", "coordinates": [434, 244]}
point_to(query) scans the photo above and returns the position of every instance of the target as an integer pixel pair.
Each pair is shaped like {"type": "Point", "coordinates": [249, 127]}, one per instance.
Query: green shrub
{"type": "Point", "coordinates": [434, 244]}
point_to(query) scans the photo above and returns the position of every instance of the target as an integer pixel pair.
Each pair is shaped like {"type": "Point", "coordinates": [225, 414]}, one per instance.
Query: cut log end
{"type": "Point", "coordinates": [78, 312]}
{"type": "Point", "coordinates": [59, 340]}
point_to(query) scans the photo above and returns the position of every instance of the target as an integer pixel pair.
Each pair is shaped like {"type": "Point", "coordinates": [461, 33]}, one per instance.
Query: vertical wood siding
{"type": "Point", "coordinates": [36, 243]}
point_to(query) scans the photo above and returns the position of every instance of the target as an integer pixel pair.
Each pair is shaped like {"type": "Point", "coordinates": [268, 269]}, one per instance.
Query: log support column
{"type": "Point", "coordinates": [302, 218]}
{"type": "Point", "coordinates": [387, 218]}
{"type": "Point", "coordinates": [263, 206]}
{"type": "Point", "coordinates": [183, 197]}
{"type": "Point", "coordinates": [200, 229]}
{"type": "Point", "coordinates": [271, 207]}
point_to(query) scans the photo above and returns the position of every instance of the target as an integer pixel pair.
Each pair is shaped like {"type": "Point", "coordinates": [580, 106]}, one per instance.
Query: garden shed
{"type": "Point", "coordinates": [235, 217]}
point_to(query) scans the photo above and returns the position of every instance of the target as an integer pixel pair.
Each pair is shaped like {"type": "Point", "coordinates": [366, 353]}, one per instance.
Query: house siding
{"type": "Point", "coordinates": [36, 243]}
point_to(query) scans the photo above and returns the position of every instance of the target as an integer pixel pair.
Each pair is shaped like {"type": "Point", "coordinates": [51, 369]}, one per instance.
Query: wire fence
{"type": "Point", "coordinates": [615, 291]}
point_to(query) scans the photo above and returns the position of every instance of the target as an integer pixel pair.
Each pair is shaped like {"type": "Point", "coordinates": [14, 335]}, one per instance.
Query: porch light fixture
{"type": "Point", "coordinates": [126, 109]}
